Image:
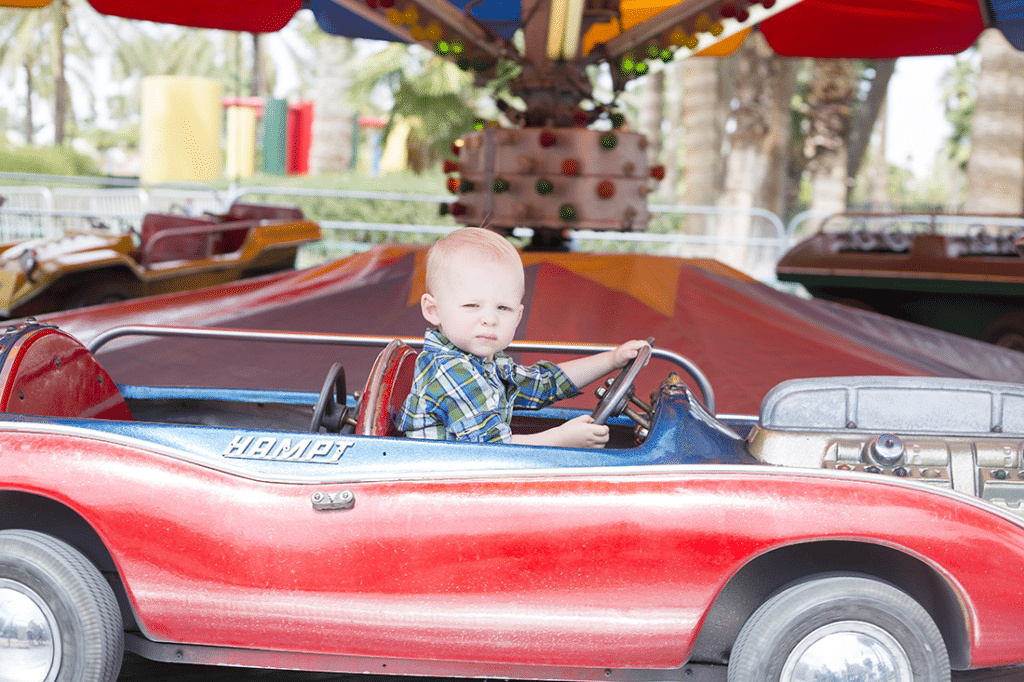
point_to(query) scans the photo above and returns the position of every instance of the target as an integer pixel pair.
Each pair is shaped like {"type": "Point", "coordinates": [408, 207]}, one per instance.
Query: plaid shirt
{"type": "Point", "coordinates": [459, 396]}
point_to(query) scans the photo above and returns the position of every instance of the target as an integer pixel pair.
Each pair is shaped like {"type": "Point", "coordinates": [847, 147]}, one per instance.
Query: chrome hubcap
{"type": "Point", "coordinates": [28, 633]}
{"type": "Point", "coordinates": [848, 650]}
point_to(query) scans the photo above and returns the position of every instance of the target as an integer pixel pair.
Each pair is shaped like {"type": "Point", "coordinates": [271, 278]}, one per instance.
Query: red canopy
{"type": "Point", "coordinates": [874, 28]}
{"type": "Point", "coordinates": [252, 16]}
{"type": "Point", "coordinates": [745, 336]}
{"type": "Point", "coordinates": [812, 28]}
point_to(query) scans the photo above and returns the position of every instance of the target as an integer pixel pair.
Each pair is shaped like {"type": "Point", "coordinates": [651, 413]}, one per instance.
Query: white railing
{"type": "Point", "coordinates": [24, 213]}
{"type": "Point", "coordinates": [750, 240]}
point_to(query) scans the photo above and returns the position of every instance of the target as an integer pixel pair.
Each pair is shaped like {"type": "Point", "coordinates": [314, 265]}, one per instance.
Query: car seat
{"type": "Point", "coordinates": [387, 386]}
{"type": "Point", "coordinates": [45, 371]}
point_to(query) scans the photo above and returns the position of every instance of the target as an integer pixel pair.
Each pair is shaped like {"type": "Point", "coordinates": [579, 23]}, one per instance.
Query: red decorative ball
{"type": "Point", "coordinates": [457, 209]}
{"type": "Point", "coordinates": [547, 138]}
{"type": "Point", "coordinates": [450, 166]}
{"type": "Point", "coordinates": [658, 172]}
{"type": "Point", "coordinates": [570, 167]}
{"type": "Point", "coordinates": [606, 189]}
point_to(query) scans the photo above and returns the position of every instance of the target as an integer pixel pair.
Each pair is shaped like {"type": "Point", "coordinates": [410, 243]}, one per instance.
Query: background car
{"type": "Point", "coordinates": [170, 252]}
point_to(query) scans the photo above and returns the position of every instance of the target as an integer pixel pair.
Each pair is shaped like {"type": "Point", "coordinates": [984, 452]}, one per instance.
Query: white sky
{"type": "Point", "coordinates": [916, 125]}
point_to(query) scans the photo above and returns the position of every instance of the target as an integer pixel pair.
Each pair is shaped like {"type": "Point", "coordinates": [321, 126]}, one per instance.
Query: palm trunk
{"type": "Point", "coordinates": [60, 85]}
{"type": "Point", "coordinates": [831, 105]}
{"type": "Point", "coordinates": [652, 112]}
{"type": "Point", "coordinates": [256, 87]}
{"type": "Point", "coordinates": [331, 149]}
{"type": "Point", "coordinates": [29, 123]}
{"type": "Point", "coordinates": [995, 169]}
{"type": "Point", "coordinates": [878, 172]}
{"type": "Point", "coordinates": [704, 116]}
{"type": "Point", "coordinates": [674, 140]}
{"type": "Point", "coordinates": [755, 172]}
{"type": "Point", "coordinates": [867, 115]}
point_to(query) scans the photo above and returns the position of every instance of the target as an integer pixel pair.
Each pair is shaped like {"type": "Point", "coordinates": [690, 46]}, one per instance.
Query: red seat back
{"type": "Point", "coordinates": [389, 383]}
{"type": "Point", "coordinates": [177, 247]}
{"type": "Point", "coordinates": [47, 372]}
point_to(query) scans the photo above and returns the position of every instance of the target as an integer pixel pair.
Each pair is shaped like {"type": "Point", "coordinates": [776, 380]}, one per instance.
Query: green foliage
{"type": "Point", "coordinates": [46, 160]}
{"type": "Point", "coordinates": [431, 183]}
{"type": "Point", "coordinates": [959, 93]}
{"type": "Point", "coordinates": [126, 136]}
{"type": "Point", "coordinates": [432, 94]}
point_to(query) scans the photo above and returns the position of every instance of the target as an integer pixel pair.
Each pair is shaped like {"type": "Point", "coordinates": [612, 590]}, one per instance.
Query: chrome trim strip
{"type": "Point", "coordinates": [103, 338]}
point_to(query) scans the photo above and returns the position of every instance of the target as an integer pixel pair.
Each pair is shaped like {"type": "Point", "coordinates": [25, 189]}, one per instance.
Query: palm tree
{"type": "Point", "coordinates": [652, 113]}
{"type": "Point", "coordinates": [705, 112]}
{"type": "Point", "coordinates": [758, 144]}
{"type": "Point", "coordinates": [331, 146]}
{"type": "Point", "coordinates": [830, 106]}
{"type": "Point", "coordinates": [434, 99]}
{"type": "Point", "coordinates": [49, 44]}
{"type": "Point", "coordinates": [995, 168]}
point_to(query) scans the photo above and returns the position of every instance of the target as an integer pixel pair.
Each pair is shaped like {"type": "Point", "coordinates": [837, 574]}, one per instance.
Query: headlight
{"type": "Point", "coordinates": [28, 262]}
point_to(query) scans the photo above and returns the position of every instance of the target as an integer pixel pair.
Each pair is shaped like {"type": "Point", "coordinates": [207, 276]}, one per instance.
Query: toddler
{"type": "Point", "coordinates": [466, 386]}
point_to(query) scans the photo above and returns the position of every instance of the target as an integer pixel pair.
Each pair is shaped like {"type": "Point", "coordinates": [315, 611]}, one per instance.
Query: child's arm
{"type": "Point", "coordinates": [580, 432]}
{"type": "Point", "coordinates": [589, 369]}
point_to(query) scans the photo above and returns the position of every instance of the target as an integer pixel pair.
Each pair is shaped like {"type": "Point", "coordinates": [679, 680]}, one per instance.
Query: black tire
{"type": "Point", "coordinates": [1006, 331]}
{"type": "Point", "coordinates": [69, 599]}
{"type": "Point", "coordinates": [831, 611]}
{"type": "Point", "coordinates": [101, 292]}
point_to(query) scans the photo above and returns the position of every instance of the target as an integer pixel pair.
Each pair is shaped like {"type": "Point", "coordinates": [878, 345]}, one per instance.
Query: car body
{"type": "Point", "coordinates": [170, 252]}
{"type": "Point", "coordinates": [856, 521]}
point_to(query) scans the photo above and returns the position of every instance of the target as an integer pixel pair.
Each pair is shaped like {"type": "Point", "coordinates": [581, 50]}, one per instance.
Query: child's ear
{"type": "Point", "coordinates": [429, 308]}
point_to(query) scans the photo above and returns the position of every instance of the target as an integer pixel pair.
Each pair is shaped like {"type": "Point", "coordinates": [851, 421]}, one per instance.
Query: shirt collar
{"type": "Point", "coordinates": [436, 342]}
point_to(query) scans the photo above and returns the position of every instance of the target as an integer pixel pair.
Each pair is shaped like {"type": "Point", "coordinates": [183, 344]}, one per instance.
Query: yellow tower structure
{"type": "Point", "coordinates": [181, 129]}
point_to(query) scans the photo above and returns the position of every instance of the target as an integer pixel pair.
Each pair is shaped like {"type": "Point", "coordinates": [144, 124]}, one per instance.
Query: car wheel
{"type": "Point", "coordinates": [59, 619]}
{"type": "Point", "coordinates": [98, 293]}
{"type": "Point", "coordinates": [1006, 331]}
{"type": "Point", "coordinates": [840, 628]}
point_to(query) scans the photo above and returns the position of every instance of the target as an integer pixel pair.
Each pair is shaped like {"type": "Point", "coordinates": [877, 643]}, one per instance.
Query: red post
{"type": "Point", "coordinates": [300, 136]}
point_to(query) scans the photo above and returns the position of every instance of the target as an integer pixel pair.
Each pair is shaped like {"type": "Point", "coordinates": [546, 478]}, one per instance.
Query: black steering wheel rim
{"type": "Point", "coordinates": [331, 409]}
{"type": "Point", "coordinates": [617, 396]}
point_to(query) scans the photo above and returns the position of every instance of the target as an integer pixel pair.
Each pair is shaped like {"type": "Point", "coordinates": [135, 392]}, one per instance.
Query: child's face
{"type": "Point", "coordinates": [477, 305]}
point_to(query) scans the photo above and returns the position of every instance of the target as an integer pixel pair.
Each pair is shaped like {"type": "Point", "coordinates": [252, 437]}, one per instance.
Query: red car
{"type": "Point", "coordinates": [860, 528]}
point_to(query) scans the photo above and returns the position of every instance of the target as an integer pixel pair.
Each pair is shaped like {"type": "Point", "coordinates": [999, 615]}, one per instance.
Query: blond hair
{"type": "Point", "coordinates": [467, 242]}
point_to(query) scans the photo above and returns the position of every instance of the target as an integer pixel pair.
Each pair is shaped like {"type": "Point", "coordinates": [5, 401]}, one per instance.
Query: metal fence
{"type": "Point", "coordinates": [751, 241]}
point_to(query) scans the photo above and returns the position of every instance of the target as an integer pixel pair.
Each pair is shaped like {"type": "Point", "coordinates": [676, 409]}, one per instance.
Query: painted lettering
{"type": "Point", "coordinates": [237, 446]}
{"type": "Point", "coordinates": [287, 450]}
{"type": "Point", "coordinates": [261, 448]}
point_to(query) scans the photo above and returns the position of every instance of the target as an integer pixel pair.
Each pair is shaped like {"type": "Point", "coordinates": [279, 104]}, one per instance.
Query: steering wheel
{"type": "Point", "coordinates": [331, 412]}
{"type": "Point", "coordinates": [617, 396]}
